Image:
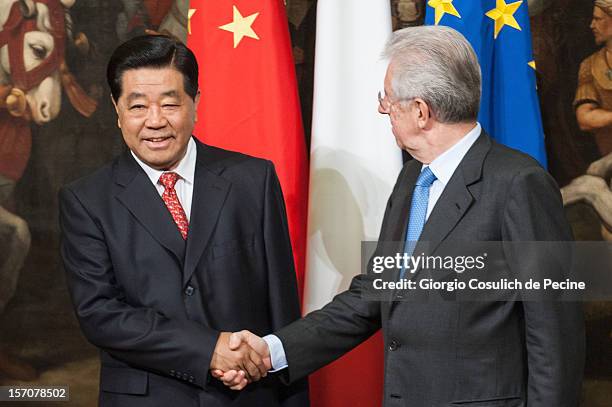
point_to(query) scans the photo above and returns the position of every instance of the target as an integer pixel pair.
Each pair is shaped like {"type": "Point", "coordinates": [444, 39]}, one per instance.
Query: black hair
{"type": "Point", "coordinates": [152, 51]}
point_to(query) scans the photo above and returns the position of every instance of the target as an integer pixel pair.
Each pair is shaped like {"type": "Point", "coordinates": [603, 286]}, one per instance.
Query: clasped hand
{"type": "Point", "coordinates": [240, 358]}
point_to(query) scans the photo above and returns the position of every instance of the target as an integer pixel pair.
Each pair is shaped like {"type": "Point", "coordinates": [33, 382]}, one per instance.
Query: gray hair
{"type": "Point", "coordinates": [436, 64]}
{"type": "Point", "coordinates": [605, 5]}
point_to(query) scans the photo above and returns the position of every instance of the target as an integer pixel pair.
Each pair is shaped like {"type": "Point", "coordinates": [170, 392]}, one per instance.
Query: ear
{"type": "Point", "coordinates": [117, 111]}
{"type": "Point", "coordinates": [423, 113]}
{"type": "Point", "coordinates": [196, 103]}
{"type": "Point", "coordinates": [114, 104]}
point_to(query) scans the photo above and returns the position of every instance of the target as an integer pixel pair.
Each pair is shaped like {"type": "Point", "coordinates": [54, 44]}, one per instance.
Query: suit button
{"type": "Point", "coordinates": [185, 376]}
{"type": "Point", "coordinates": [393, 345]}
{"type": "Point", "coordinates": [189, 290]}
{"type": "Point", "coordinates": [191, 379]}
{"type": "Point", "coordinates": [172, 373]}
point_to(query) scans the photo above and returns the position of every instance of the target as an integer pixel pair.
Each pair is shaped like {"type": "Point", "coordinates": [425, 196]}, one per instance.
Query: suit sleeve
{"type": "Point", "coordinates": [283, 298]}
{"type": "Point", "coordinates": [554, 330]}
{"type": "Point", "coordinates": [324, 335]}
{"type": "Point", "coordinates": [142, 337]}
{"type": "Point", "coordinates": [348, 320]}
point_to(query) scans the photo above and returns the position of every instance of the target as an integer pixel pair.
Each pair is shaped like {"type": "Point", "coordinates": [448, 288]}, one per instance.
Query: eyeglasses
{"type": "Point", "coordinates": [383, 103]}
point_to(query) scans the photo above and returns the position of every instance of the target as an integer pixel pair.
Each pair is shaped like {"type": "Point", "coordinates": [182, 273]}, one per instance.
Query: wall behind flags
{"type": "Point", "coordinates": [40, 342]}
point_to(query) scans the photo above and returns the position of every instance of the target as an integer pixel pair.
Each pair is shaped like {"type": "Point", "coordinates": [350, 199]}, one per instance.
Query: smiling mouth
{"type": "Point", "coordinates": [158, 142]}
{"type": "Point", "coordinates": [157, 139]}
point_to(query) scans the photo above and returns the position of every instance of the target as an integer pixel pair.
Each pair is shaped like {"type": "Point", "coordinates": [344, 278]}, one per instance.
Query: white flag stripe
{"type": "Point", "coordinates": [354, 158]}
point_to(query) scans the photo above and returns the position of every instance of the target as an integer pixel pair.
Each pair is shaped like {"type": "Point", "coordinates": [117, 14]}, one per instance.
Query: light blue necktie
{"type": "Point", "coordinates": [418, 211]}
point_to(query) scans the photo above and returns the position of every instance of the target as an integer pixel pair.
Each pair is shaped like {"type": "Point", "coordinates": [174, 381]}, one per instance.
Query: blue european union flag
{"type": "Point", "coordinates": [500, 34]}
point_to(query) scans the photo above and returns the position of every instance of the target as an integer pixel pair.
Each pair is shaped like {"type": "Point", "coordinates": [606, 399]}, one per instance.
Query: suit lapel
{"type": "Point", "coordinates": [450, 208]}
{"type": "Point", "coordinates": [456, 198]}
{"type": "Point", "coordinates": [393, 234]}
{"type": "Point", "coordinates": [141, 198]}
{"type": "Point", "coordinates": [209, 193]}
{"type": "Point", "coordinates": [455, 201]}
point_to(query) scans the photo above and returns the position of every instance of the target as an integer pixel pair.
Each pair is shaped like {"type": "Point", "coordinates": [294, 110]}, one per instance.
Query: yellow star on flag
{"type": "Point", "coordinates": [532, 64]}
{"type": "Point", "coordinates": [442, 7]}
{"type": "Point", "coordinates": [241, 26]}
{"type": "Point", "coordinates": [190, 14]}
{"type": "Point", "coordinates": [503, 14]}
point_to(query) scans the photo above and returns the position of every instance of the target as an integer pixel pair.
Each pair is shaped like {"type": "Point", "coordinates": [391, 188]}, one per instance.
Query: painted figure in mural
{"type": "Point", "coordinates": [593, 101]}
{"type": "Point", "coordinates": [538, 6]}
{"type": "Point", "coordinates": [33, 35]}
{"type": "Point", "coordinates": [594, 188]}
{"type": "Point", "coordinates": [175, 22]}
{"type": "Point", "coordinates": [141, 16]}
{"type": "Point", "coordinates": [593, 104]}
{"type": "Point", "coordinates": [410, 12]}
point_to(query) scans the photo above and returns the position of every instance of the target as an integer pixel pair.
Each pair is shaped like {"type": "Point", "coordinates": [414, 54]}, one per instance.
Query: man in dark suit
{"type": "Point", "coordinates": [174, 245]}
{"type": "Point", "coordinates": [461, 187]}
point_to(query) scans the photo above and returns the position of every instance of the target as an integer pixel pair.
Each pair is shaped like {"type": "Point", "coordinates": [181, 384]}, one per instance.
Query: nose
{"type": "Point", "coordinates": [156, 118]}
{"type": "Point", "coordinates": [381, 109]}
{"type": "Point", "coordinates": [592, 24]}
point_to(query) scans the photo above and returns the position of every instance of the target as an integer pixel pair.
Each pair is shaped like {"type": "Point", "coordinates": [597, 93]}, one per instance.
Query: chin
{"type": "Point", "coordinates": [154, 161]}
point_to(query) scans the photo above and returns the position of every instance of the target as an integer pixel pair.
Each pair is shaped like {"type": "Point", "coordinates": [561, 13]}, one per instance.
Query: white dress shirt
{"type": "Point", "coordinates": [443, 167]}
{"type": "Point", "coordinates": [186, 171]}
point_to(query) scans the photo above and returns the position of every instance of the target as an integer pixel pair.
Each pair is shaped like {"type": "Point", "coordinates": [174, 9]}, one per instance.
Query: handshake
{"type": "Point", "coordinates": [240, 358]}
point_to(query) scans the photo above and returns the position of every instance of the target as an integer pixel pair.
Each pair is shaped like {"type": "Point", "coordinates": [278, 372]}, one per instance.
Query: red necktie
{"type": "Point", "coordinates": [168, 179]}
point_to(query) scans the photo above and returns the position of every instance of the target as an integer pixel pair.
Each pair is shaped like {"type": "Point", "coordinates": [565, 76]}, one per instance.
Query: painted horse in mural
{"type": "Point", "coordinates": [33, 36]}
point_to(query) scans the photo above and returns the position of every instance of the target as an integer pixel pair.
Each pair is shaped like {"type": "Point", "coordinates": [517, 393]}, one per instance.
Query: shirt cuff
{"type": "Point", "coordinates": [277, 353]}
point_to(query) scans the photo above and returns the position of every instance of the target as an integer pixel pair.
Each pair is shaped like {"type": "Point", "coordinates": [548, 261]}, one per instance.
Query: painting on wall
{"type": "Point", "coordinates": [57, 124]}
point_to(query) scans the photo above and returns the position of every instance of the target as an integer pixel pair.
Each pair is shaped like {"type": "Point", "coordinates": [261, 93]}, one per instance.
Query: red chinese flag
{"type": "Point", "coordinates": [249, 101]}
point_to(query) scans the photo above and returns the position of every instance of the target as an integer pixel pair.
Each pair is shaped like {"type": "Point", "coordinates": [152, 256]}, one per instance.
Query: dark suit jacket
{"type": "Point", "coordinates": [445, 353]}
{"type": "Point", "coordinates": [154, 304]}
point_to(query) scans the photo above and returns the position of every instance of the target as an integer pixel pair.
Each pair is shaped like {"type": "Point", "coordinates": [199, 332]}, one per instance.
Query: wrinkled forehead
{"type": "Point", "coordinates": [152, 82]}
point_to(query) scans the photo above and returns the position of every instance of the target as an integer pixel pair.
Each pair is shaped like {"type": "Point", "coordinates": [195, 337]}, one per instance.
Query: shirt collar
{"type": "Point", "coordinates": [185, 168]}
{"type": "Point", "coordinates": [446, 163]}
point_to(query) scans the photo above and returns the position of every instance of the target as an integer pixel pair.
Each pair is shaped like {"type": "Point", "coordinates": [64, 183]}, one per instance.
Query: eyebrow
{"type": "Point", "coordinates": [136, 95]}
{"type": "Point", "coordinates": [133, 96]}
{"type": "Point", "coordinates": [171, 93]}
